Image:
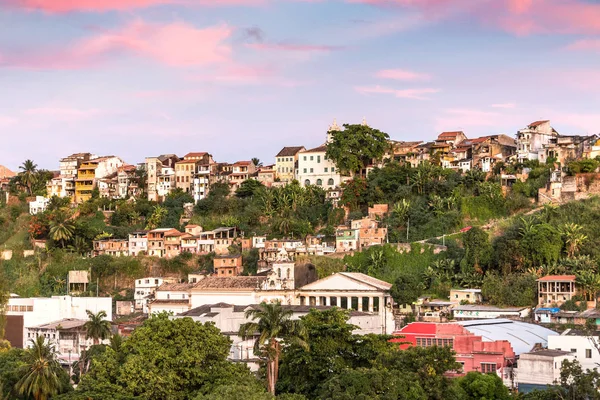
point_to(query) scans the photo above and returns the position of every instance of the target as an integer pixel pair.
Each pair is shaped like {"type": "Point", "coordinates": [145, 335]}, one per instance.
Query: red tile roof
{"type": "Point", "coordinates": [322, 148]}
{"type": "Point", "coordinates": [190, 155]}
{"type": "Point", "coordinates": [552, 278]}
{"type": "Point", "coordinates": [5, 172]}
{"type": "Point", "coordinates": [536, 123]}
{"type": "Point", "coordinates": [289, 151]}
{"type": "Point", "coordinates": [449, 135]}
{"type": "Point", "coordinates": [243, 163]}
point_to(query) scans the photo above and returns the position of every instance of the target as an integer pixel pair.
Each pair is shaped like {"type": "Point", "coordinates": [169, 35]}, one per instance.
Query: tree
{"type": "Point", "coordinates": [332, 348]}
{"type": "Point", "coordinates": [248, 188]}
{"type": "Point", "coordinates": [97, 327]}
{"type": "Point", "coordinates": [478, 386]}
{"type": "Point", "coordinates": [356, 147]}
{"type": "Point", "coordinates": [573, 238]}
{"type": "Point", "coordinates": [159, 213]}
{"type": "Point", "coordinates": [478, 251]}
{"type": "Point", "coordinates": [407, 289]}
{"type": "Point", "coordinates": [61, 228]}
{"type": "Point", "coordinates": [165, 359]}
{"type": "Point", "coordinates": [270, 324]}
{"type": "Point", "coordinates": [28, 175]}
{"type": "Point", "coordinates": [256, 162]}
{"type": "Point", "coordinates": [510, 290]}
{"type": "Point", "coordinates": [40, 371]}
{"type": "Point", "coordinates": [236, 392]}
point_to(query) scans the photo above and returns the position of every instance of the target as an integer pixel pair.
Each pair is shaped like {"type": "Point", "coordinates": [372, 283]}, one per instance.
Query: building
{"type": "Point", "coordinates": [531, 140]}
{"type": "Point", "coordinates": [352, 291]}
{"type": "Point", "coordinates": [458, 296]}
{"type": "Point", "coordinates": [488, 346]}
{"type": "Point", "coordinates": [127, 182]}
{"type": "Point", "coordinates": [39, 205]}
{"type": "Point", "coordinates": [451, 139]}
{"type": "Point", "coordinates": [138, 243]}
{"type": "Point", "coordinates": [563, 148]}
{"type": "Point", "coordinates": [475, 311]}
{"type": "Point", "coordinates": [111, 247]}
{"type": "Point", "coordinates": [78, 281]}
{"type": "Point", "coordinates": [68, 335]}
{"type": "Point", "coordinates": [346, 239]}
{"type": "Point", "coordinates": [486, 151]}
{"type": "Point", "coordinates": [24, 313]}
{"type": "Point", "coordinates": [240, 171]}
{"type": "Point", "coordinates": [157, 239]}
{"type": "Point", "coordinates": [286, 163]}
{"type": "Point", "coordinates": [228, 265]}
{"type": "Point", "coordinates": [369, 233]}
{"type": "Point", "coordinates": [315, 169]}
{"type": "Point", "coordinates": [64, 184]}
{"type": "Point", "coordinates": [160, 176]}
{"type": "Point", "coordinates": [187, 170]}
{"type": "Point", "coordinates": [266, 175]}
{"type": "Point", "coordinates": [171, 297]}
{"type": "Point", "coordinates": [538, 369]}
{"type": "Point", "coordinates": [173, 243]}
{"type": "Point", "coordinates": [144, 291]}
{"type": "Point", "coordinates": [91, 171]}
{"type": "Point", "coordinates": [584, 347]}
{"type": "Point", "coordinates": [554, 290]}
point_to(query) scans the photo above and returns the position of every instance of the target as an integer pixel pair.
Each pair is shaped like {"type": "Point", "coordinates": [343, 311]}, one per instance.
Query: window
{"type": "Point", "coordinates": [330, 182]}
{"type": "Point", "coordinates": [304, 170]}
{"type": "Point", "coordinates": [332, 169]}
{"type": "Point", "coordinates": [323, 300]}
{"type": "Point", "coordinates": [156, 281]}
{"type": "Point", "coordinates": [573, 350]}
{"type": "Point", "coordinates": [319, 182]}
{"type": "Point", "coordinates": [344, 302]}
{"type": "Point", "coordinates": [325, 169]}
{"type": "Point", "coordinates": [304, 158]}
{"type": "Point", "coordinates": [318, 159]}
{"type": "Point", "coordinates": [354, 303]}
{"type": "Point", "coordinates": [588, 353]}
{"type": "Point", "coordinates": [311, 158]}
{"type": "Point", "coordinates": [312, 301]}
{"type": "Point", "coordinates": [307, 182]}
{"type": "Point", "coordinates": [365, 304]}
{"type": "Point", "coordinates": [311, 170]}
{"type": "Point", "coordinates": [375, 304]}
{"type": "Point", "coordinates": [487, 368]}
{"type": "Point", "coordinates": [333, 301]}
{"type": "Point", "coordinates": [302, 300]}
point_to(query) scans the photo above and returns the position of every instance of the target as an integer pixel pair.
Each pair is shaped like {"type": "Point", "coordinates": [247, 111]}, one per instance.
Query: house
{"type": "Point", "coordinates": [238, 290]}
{"type": "Point", "coordinates": [487, 346]}
{"type": "Point", "coordinates": [352, 291]}
{"type": "Point", "coordinates": [476, 311]}
{"type": "Point", "coordinates": [64, 184]}
{"type": "Point", "coordinates": [202, 180]}
{"type": "Point", "coordinates": [583, 346]}
{"type": "Point", "coordinates": [228, 265]}
{"type": "Point", "coordinates": [138, 243]}
{"type": "Point", "coordinates": [369, 233]}
{"type": "Point", "coordinates": [346, 239]}
{"type": "Point", "coordinates": [258, 242]}
{"type": "Point", "coordinates": [489, 150]}
{"type": "Point", "coordinates": [68, 336]}
{"type": "Point", "coordinates": [240, 171]}
{"type": "Point", "coordinates": [173, 243]}
{"type": "Point", "coordinates": [78, 281]}
{"type": "Point", "coordinates": [540, 368]}
{"type": "Point", "coordinates": [531, 140]}
{"type": "Point", "coordinates": [160, 176]}
{"type": "Point", "coordinates": [157, 239]}
{"type": "Point", "coordinates": [451, 139]}
{"type": "Point", "coordinates": [91, 171]}
{"type": "Point", "coordinates": [286, 163]}
{"type": "Point", "coordinates": [111, 247]}
{"type": "Point", "coordinates": [228, 318]}
{"type": "Point", "coordinates": [458, 296]}
{"type": "Point", "coordinates": [378, 211]}
{"type": "Point", "coordinates": [39, 205]}
{"type": "Point", "coordinates": [266, 175]}
{"type": "Point", "coordinates": [564, 148]}
{"type": "Point", "coordinates": [315, 169]}
{"type": "Point", "coordinates": [433, 310]}
{"type": "Point", "coordinates": [145, 289]}
{"type": "Point", "coordinates": [189, 243]}
{"type": "Point", "coordinates": [187, 170]}
{"type": "Point", "coordinates": [223, 238]}
{"type": "Point", "coordinates": [23, 313]}
{"type": "Point", "coordinates": [171, 297]}
{"type": "Point", "coordinates": [554, 290]}
{"type": "Point", "coordinates": [402, 151]}
{"type": "Point", "coordinates": [127, 182]}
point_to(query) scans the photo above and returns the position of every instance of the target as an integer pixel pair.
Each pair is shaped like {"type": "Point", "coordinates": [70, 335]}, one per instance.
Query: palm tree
{"type": "Point", "coordinates": [573, 238]}
{"type": "Point", "coordinates": [40, 372]}
{"type": "Point", "coordinates": [61, 229]}
{"type": "Point", "coordinates": [256, 162]}
{"type": "Point", "coordinates": [97, 328]}
{"type": "Point", "coordinates": [270, 324]}
{"type": "Point", "coordinates": [28, 174]}
{"type": "Point", "coordinates": [590, 282]}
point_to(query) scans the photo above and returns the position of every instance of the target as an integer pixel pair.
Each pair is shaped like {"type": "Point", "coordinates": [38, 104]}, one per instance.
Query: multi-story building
{"type": "Point", "coordinates": [488, 150]}
{"type": "Point", "coordinates": [346, 239]}
{"type": "Point", "coordinates": [314, 168]}
{"type": "Point", "coordinates": [563, 149]}
{"type": "Point", "coordinates": [127, 182]}
{"type": "Point", "coordinates": [531, 140]}
{"type": "Point", "coordinates": [160, 176]}
{"type": "Point", "coordinates": [90, 172]}
{"type": "Point", "coordinates": [203, 178]}
{"type": "Point", "coordinates": [39, 205]}
{"type": "Point", "coordinates": [540, 368]}
{"type": "Point", "coordinates": [369, 232]}
{"type": "Point", "coordinates": [240, 172]}
{"type": "Point", "coordinates": [173, 243]}
{"type": "Point", "coordinates": [64, 184]}
{"type": "Point", "coordinates": [266, 175]}
{"type": "Point", "coordinates": [111, 247]}
{"type": "Point", "coordinates": [228, 265]}
{"type": "Point", "coordinates": [186, 171]}
{"type": "Point", "coordinates": [286, 163]}
{"type": "Point", "coordinates": [156, 241]}
{"type": "Point", "coordinates": [138, 243]}
{"type": "Point", "coordinates": [583, 347]}
{"type": "Point", "coordinates": [556, 289]}
{"type": "Point", "coordinates": [144, 291]}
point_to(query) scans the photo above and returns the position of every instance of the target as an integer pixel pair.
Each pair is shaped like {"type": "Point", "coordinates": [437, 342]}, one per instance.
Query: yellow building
{"type": "Point", "coordinates": [86, 177]}
{"type": "Point", "coordinates": [286, 163]}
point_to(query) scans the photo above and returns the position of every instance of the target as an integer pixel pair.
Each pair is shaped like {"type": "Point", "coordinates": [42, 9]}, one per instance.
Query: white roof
{"type": "Point", "coordinates": [348, 281]}
{"type": "Point", "coordinates": [521, 335]}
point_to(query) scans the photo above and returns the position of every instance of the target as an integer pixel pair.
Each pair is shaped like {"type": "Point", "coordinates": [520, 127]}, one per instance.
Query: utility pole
{"type": "Point", "coordinates": [407, 228]}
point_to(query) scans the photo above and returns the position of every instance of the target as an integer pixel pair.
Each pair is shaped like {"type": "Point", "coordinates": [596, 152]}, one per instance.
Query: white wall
{"type": "Point", "coordinates": [580, 344]}
{"type": "Point", "coordinates": [318, 165]}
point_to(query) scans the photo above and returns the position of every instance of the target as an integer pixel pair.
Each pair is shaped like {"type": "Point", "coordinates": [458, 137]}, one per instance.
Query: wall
{"type": "Point", "coordinates": [578, 343]}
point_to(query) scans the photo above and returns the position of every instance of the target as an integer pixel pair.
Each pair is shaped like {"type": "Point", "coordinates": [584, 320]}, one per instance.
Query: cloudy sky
{"type": "Point", "coordinates": [242, 78]}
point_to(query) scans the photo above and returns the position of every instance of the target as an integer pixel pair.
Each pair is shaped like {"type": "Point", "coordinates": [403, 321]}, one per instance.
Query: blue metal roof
{"type": "Point", "coordinates": [521, 335]}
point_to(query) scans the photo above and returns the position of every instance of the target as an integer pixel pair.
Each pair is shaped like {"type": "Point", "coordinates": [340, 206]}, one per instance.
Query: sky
{"type": "Point", "coordinates": [243, 78]}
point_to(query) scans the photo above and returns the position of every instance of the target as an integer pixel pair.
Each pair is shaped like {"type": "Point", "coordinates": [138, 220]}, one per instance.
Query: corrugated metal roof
{"type": "Point", "coordinates": [521, 335]}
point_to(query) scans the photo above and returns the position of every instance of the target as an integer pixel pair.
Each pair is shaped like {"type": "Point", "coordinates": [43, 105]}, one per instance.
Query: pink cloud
{"type": "Point", "coordinates": [65, 6]}
{"type": "Point", "coordinates": [294, 47]}
{"type": "Point", "coordinates": [417, 94]}
{"type": "Point", "coordinates": [402, 75]}
{"type": "Point", "coordinates": [176, 44]}
{"type": "Point", "coordinates": [520, 17]}
{"type": "Point", "coordinates": [465, 118]}
{"type": "Point", "coordinates": [63, 113]}
{"type": "Point", "coordinates": [585, 44]}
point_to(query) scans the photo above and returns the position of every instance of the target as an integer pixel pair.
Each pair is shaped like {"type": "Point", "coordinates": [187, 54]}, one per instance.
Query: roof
{"type": "Point", "coordinates": [208, 310]}
{"type": "Point", "coordinates": [289, 151]}
{"type": "Point", "coordinates": [477, 307]}
{"type": "Point", "coordinates": [537, 123]}
{"type": "Point", "coordinates": [67, 323]}
{"type": "Point", "coordinates": [200, 154]}
{"type": "Point", "coordinates": [320, 149]}
{"type": "Point", "coordinates": [522, 336]}
{"type": "Point", "coordinates": [450, 135]}
{"type": "Point", "coordinates": [552, 278]}
{"type": "Point", "coordinates": [204, 309]}
{"type": "Point", "coordinates": [228, 256]}
{"type": "Point", "coordinates": [230, 282]}
{"type": "Point", "coordinates": [466, 290]}
{"type": "Point", "coordinates": [358, 276]}
{"type": "Point", "coordinates": [548, 353]}
{"type": "Point", "coordinates": [242, 163]}
{"type": "Point", "coordinates": [5, 172]}
{"type": "Point", "coordinates": [175, 287]}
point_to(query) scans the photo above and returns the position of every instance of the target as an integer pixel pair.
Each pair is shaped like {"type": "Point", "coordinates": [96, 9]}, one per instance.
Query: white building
{"type": "Point", "coordinates": [473, 311]}
{"type": "Point", "coordinates": [465, 296]}
{"type": "Point", "coordinates": [531, 140]}
{"type": "Point", "coordinates": [315, 169]}
{"type": "Point", "coordinates": [23, 313]}
{"type": "Point", "coordinates": [138, 242]}
{"type": "Point", "coordinates": [171, 297]}
{"type": "Point", "coordinates": [228, 318]}
{"type": "Point", "coordinates": [145, 289]}
{"type": "Point", "coordinates": [39, 205]}
{"type": "Point", "coordinates": [582, 346]}
{"type": "Point", "coordinates": [538, 369]}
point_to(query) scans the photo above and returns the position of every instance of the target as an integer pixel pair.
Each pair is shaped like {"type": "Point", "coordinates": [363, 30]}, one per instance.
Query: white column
{"type": "Point", "coordinates": [370, 304]}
